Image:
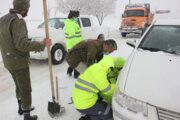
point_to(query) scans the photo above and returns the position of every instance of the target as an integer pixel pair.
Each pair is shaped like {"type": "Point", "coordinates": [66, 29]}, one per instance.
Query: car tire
{"type": "Point", "coordinates": [123, 34]}
{"type": "Point", "coordinates": [57, 54]}
{"type": "Point", "coordinates": [144, 29]}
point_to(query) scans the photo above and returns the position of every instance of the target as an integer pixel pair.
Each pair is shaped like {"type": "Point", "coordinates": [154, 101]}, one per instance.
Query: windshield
{"type": "Point", "coordinates": [54, 23]}
{"type": "Point", "coordinates": [162, 38]}
{"type": "Point", "coordinates": [131, 13]}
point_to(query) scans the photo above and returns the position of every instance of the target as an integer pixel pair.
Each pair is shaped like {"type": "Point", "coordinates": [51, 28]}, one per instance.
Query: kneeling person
{"type": "Point", "coordinates": [92, 94]}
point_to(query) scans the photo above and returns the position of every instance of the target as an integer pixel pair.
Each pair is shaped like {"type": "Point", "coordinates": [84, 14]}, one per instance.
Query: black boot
{"type": "Point", "coordinates": [20, 111]}
{"type": "Point", "coordinates": [69, 71]}
{"type": "Point", "coordinates": [86, 117]}
{"type": "Point", "coordinates": [76, 74]}
{"type": "Point", "coordinates": [27, 115]}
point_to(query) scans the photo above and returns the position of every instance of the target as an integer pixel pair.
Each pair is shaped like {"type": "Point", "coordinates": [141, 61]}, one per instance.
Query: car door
{"type": "Point", "coordinates": [87, 29]}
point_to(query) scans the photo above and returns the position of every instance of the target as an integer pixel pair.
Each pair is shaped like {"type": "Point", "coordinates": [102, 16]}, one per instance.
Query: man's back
{"type": "Point", "coordinates": [85, 51]}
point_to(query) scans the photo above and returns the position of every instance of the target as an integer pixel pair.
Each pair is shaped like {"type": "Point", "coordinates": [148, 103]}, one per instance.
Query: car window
{"type": "Point", "coordinates": [86, 22]}
{"type": "Point", "coordinates": [54, 23]}
{"type": "Point", "coordinates": [130, 13]}
{"type": "Point", "coordinates": [162, 37]}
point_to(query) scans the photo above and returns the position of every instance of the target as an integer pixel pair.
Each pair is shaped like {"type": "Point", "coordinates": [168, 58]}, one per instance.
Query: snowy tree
{"type": "Point", "coordinates": [98, 8]}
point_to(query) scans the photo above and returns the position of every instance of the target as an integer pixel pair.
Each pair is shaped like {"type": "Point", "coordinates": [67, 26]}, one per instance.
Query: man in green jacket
{"type": "Point", "coordinates": [73, 35]}
{"type": "Point", "coordinates": [15, 46]}
{"type": "Point", "coordinates": [92, 94]}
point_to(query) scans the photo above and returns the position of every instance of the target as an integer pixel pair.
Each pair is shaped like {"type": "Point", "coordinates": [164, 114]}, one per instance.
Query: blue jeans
{"type": "Point", "coordinates": [100, 111]}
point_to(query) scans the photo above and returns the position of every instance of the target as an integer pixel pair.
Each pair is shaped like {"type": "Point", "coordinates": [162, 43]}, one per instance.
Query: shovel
{"type": "Point", "coordinates": [53, 107]}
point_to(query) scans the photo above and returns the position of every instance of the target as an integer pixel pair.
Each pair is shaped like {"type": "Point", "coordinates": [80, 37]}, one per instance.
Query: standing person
{"type": "Point", "coordinates": [15, 47]}
{"type": "Point", "coordinates": [73, 35]}
{"type": "Point", "coordinates": [92, 94]}
{"type": "Point", "coordinates": [88, 52]}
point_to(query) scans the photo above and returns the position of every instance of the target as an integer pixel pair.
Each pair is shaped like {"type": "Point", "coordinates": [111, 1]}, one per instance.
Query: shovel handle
{"type": "Point", "coordinates": [48, 48]}
{"type": "Point", "coordinates": [57, 92]}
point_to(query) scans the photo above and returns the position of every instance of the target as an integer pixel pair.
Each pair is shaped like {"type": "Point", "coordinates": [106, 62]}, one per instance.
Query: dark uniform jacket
{"type": "Point", "coordinates": [14, 42]}
{"type": "Point", "coordinates": [88, 52]}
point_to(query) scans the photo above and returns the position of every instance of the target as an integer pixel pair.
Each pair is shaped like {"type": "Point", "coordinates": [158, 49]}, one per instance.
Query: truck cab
{"type": "Point", "coordinates": [135, 19]}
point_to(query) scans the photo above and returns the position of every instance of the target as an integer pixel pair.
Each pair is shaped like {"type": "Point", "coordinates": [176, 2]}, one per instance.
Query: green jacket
{"type": "Point", "coordinates": [91, 83]}
{"type": "Point", "coordinates": [73, 33]}
{"type": "Point", "coordinates": [14, 42]}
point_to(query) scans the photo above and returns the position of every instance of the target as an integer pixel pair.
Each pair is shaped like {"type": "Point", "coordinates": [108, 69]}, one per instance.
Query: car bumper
{"type": "Point", "coordinates": [121, 113]}
{"type": "Point", "coordinates": [130, 30]}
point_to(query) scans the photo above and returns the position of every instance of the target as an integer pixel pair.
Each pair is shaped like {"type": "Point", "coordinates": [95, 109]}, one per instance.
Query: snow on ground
{"type": "Point", "coordinates": [41, 91]}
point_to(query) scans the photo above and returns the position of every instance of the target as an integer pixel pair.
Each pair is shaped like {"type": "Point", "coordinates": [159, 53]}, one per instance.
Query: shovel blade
{"type": "Point", "coordinates": [53, 109]}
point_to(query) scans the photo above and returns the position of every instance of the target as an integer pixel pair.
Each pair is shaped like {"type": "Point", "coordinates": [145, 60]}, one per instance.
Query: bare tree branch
{"type": "Point", "coordinates": [98, 8]}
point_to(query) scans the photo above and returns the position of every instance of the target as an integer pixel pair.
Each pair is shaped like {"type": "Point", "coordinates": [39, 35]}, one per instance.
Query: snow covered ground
{"type": "Point", "coordinates": [41, 91]}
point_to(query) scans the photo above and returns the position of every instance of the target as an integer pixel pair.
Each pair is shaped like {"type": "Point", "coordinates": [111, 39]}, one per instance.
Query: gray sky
{"type": "Point", "coordinates": [36, 9]}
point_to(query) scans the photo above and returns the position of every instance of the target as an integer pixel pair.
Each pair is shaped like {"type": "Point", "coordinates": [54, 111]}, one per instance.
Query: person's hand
{"type": "Point", "coordinates": [47, 42]}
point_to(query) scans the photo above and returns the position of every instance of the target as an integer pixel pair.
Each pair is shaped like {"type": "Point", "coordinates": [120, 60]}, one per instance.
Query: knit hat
{"type": "Point", "coordinates": [21, 5]}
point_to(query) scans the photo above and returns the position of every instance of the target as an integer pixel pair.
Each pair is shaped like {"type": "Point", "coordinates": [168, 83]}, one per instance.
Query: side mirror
{"type": "Point", "coordinates": [131, 43]}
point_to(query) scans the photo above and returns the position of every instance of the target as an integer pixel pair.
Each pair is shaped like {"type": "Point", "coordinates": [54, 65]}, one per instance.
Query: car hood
{"type": "Point", "coordinates": [40, 33]}
{"type": "Point", "coordinates": [154, 77]}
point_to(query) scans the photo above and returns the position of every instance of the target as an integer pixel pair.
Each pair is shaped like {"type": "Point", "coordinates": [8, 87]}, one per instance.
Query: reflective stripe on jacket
{"type": "Point", "coordinates": [91, 82]}
{"type": "Point", "coordinates": [72, 33]}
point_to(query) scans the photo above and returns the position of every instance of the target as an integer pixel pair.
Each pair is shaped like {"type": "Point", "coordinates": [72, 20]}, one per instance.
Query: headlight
{"type": "Point", "coordinates": [130, 103]}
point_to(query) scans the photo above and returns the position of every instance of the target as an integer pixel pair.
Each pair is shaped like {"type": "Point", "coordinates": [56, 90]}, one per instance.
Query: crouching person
{"type": "Point", "coordinates": [92, 94]}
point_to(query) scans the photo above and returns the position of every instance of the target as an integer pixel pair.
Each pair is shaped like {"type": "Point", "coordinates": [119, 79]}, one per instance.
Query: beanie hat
{"type": "Point", "coordinates": [21, 5]}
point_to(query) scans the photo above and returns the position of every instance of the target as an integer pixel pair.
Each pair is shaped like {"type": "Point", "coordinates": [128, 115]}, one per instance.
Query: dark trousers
{"type": "Point", "coordinates": [23, 86]}
{"type": "Point", "coordinates": [100, 111]}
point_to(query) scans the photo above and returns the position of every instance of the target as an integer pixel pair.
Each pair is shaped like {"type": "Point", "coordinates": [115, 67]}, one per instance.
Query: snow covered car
{"type": "Point", "coordinates": [90, 30]}
{"type": "Point", "coordinates": [148, 87]}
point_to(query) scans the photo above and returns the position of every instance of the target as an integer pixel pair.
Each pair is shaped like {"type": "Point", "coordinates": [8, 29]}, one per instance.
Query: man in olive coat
{"type": "Point", "coordinates": [88, 52]}
{"type": "Point", "coordinates": [15, 46]}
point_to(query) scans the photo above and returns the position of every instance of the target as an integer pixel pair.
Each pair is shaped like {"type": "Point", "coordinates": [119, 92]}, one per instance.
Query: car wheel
{"type": "Point", "coordinates": [101, 37]}
{"type": "Point", "coordinates": [144, 29]}
{"type": "Point", "coordinates": [123, 34]}
{"type": "Point", "coordinates": [57, 54]}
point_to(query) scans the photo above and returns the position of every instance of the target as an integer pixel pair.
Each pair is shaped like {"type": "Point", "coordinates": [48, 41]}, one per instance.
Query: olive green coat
{"type": "Point", "coordinates": [14, 42]}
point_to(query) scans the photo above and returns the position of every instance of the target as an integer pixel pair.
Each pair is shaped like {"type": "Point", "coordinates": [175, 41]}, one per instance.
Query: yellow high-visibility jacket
{"type": "Point", "coordinates": [92, 82]}
{"type": "Point", "coordinates": [72, 33]}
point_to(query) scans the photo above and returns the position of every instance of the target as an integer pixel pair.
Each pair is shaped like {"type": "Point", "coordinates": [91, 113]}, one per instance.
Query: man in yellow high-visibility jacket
{"type": "Point", "coordinates": [94, 85]}
{"type": "Point", "coordinates": [73, 35]}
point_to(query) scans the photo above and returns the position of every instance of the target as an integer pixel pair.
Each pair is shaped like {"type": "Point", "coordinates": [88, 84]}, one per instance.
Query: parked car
{"type": "Point", "coordinates": [90, 30]}
{"type": "Point", "coordinates": [148, 87]}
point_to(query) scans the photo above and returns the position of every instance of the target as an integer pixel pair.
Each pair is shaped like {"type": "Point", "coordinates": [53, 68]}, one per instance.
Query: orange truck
{"type": "Point", "coordinates": [136, 19]}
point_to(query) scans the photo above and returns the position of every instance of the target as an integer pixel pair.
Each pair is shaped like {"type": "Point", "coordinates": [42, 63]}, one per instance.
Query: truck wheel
{"type": "Point", "coordinates": [101, 37]}
{"type": "Point", "coordinates": [123, 34]}
{"type": "Point", "coordinates": [57, 54]}
{"type": "Point", "coordinates": [144, 29]}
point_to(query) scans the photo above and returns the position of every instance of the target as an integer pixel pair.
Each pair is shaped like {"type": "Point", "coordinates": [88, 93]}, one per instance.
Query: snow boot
{"type": "Point", "coordinates": [76, 74]}
{"type": "Point", "coordinates": [27, 115]}
{"type": "Point", "coordinates": [20, 111]}
{"type": "Point", "coordinates": [69, 71]}
{"type": "Point", "coordinates": [85, 117]}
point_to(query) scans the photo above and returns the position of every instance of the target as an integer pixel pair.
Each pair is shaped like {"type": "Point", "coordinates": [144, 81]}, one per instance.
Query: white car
{"type": "Point", "coordinates": [148, 87]}
{"type": "Point", "coordinates": [89, 27]}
